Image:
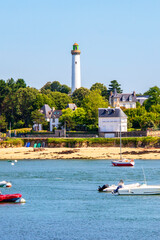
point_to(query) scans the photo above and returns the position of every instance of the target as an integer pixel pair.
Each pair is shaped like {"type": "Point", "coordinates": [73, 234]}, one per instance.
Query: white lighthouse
{"type": "Point", "coordinates": [76, 72]}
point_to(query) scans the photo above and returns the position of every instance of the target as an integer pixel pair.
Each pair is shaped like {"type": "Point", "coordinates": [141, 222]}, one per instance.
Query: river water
{"type": "Point", "coordinates": [62, 201]}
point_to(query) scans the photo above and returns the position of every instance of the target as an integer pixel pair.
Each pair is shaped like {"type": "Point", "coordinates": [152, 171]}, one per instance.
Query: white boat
{"type": "Point", "coordinates": [5, 184]}
{"type": "Point", "coordinates": [113, 188]}
{"type": "Point", "coordinates": [142, 189]}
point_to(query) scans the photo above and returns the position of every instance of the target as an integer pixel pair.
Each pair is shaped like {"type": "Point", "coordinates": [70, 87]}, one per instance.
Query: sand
{"type": "Point", "coordinates": [78, 153]}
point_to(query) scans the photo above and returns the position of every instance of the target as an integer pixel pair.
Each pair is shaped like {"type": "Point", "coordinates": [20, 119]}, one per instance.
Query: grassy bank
{"type": "Point", "coordinates": [84, 142]}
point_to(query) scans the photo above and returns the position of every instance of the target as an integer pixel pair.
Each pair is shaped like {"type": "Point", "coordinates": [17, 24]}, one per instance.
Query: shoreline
{"type": "Point", "coordinates": [106, 153]}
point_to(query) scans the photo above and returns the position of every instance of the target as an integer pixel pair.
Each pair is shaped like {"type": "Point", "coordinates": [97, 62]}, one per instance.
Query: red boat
{"type": "Point", "coordinates": [123, 163]}
{"type": "Point", "coordinates": [10, 197]}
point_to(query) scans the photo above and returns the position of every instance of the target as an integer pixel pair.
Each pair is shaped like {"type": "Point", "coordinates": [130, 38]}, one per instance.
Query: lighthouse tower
{"type": "Point", "coordinates": [76, 73]}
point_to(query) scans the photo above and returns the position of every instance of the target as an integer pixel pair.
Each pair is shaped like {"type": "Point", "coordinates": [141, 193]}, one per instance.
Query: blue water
{"type": "Point", "coordinates": [62, 202]}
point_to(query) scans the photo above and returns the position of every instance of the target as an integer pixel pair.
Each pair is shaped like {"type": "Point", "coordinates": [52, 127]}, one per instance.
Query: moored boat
{"type": "Point", "coordinates": [142, 189]}
{"type": "Point", "coordinates": [123, 163]}
{"type": "Point", "coordinates": [10, 197]}
{"type": "Point", "coordinates": [5, 184]}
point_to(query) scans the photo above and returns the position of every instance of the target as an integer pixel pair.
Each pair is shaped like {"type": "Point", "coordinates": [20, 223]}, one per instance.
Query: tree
{"type": "Point", "coordinates": [79, 116]}
{"type": "Point", "coordinates": [114, 85]}
{"type": "Point", "coordinates": [60, 99]}
{"type": "Point", "coordinates": [37, 117]}
{"type": "Point", "coordinates": [20, 83]}
{"type": "Point", "coordinates": [101, 87]}
{"type": "Point", "coordinates": [46, 86]}
{"type": "Point", "coordinates": [55, 86]}
{"type": "Point", "coordinates": [91, 103]}
{"type": "Point", "coordinates": [67, 118]}
{"type": "Point", "coordinates": [3, 123]}
{"type": "Point", "coordinates": [154, 97]}
{"type": "Point", "coordinates": [65, 89]}
{"type": "Point", "coordinates": [79, 94]}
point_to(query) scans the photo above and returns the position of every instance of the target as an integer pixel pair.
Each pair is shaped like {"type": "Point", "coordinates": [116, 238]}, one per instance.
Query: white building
{"type": "Point", "coordinates": [54, 120]}
{"type": "Point", "coordinates": [76, 71]}
{"type": "Point", "coordinates": [111, 121]}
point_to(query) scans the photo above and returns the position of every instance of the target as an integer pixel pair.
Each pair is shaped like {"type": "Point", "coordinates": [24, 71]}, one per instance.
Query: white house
{"type": "Point", "coordinates": [111, 121]}
{"type": "Point", "coordinates": [54, 120]}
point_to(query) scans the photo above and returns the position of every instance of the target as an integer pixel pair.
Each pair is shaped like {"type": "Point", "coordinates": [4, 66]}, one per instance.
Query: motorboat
{"type": "Point", "coordinates": [10, 197]}
{"type": "Point", "coordinates": [123, 163]}
{"type": "Point", "coordinates": [142, 189]}
{"type": "Point", "coordinates": [5, 184]}
{"type": "Point", "coordinates": [114, 188]}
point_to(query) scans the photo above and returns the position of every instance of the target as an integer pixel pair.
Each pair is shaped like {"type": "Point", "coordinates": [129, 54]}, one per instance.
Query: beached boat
{"type": "Point", "coordinates": [10, 197]}
{"type": "Point", "coordinates": [142, 189]}
{"type": "Point", "coordinates": [5, 184]}
{"type": "Point", "coordinates": [123, 163]}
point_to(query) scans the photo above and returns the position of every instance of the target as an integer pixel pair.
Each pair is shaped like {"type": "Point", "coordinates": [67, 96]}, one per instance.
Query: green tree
{"type": "Point", "coordinates": [3, 123]}
{"type": "Point", "coordinates": [114, 85]}
{"type": "Point", "coordinates": [55, 86]}
{"type": "Point", "coordinates": [91, 103]}
{"type": "Point", "coordinates": [67, 119]}
{"type": "Point", "coordinates": [101, 87]}
{"type": "Point", "coordinates": [46, 86]}
{"type": "Point", "coordinates": [20, 83]}
{"type": "Point", "coordinates": [79, 94]}
{"type": "Point", "coordinates": [26, 103]}
{"type": "Point", "coordinates": [154, 97]}
{"type": "Point", "coordinates": [37, 117]}
{"type": "Point", "coordinates": [65, 89]}
{"type": "Point", "coordinates": [60, 99]}
{"type": "Point", "coordinates": [79, 116]}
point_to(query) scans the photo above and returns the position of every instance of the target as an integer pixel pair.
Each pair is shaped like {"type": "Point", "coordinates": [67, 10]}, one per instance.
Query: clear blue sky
{"type": "Point", "coordinates": [119, 39]}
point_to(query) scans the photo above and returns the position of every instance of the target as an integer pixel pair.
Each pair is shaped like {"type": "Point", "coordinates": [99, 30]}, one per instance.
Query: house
{"type": "Point", "coordinates": [127, 100]}
{"type": "Point", "coordinates": [51, 116]}
{"type": "Point", "coordinates": [54, 120]}
{"type": "Point", "coordinates": [111, 121]}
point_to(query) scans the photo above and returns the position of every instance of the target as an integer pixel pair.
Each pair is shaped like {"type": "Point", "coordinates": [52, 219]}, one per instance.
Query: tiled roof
{"type": "Point", "coordinates": [111, 112]}
{"type": "Point", "coordinates": [46, 110]}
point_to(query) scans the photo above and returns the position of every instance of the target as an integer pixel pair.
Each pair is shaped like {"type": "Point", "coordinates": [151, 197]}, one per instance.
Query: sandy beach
{"type": "Point", "coordinates": [78, 153]}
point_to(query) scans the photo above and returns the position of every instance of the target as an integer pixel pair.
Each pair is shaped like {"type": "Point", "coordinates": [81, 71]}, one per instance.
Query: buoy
{"type": "Point", "coordinates": [22, 200]}
{"type": "Point", "coordinates": [15, 160]}
{"type": "Point", "coordinates": [12, 163]}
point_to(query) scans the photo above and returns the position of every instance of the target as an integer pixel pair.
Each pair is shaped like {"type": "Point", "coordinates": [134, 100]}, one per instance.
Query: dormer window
{"type": "Point", "coordinates": [123, 98]}
{"type": "Point", "coordinates": [130, 98]}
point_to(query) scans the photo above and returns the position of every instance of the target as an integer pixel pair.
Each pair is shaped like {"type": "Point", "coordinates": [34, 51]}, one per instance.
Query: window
{"type": "Point", "coordinates": [75, 62]}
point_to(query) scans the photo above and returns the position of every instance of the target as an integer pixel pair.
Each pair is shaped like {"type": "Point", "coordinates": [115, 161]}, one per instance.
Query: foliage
{"type": "Point", "coordinates": [100, 87]}
{"type": "Point", "coordinates": [79, 94]}
{"type": "Point", "coordinates": [114, 85]}
{"type": "Point", "coordinates": [91, 103]}
{"type": "Point", "coordinates": [67, 118]}
{"type": "Point", "coordinates": [56, 87]}
{"type": "Point", "coordinates": [37, 117]}
{"type": "Point", "coordinates": [3, 123]}
{"type": "Point", "coordinates": [154, 97]}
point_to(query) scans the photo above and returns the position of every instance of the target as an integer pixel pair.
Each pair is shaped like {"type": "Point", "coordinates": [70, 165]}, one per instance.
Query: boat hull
{"type": "Point", "coordinates": [141, 190]}
{"type": "Point", "coordinates": [10, 197]}
{"type": "Point", "coordinates": [123, 163]}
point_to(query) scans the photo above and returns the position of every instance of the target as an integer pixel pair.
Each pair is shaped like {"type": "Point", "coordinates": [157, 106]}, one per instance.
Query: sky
{"type": "Point", "coordinates": [119, 40]}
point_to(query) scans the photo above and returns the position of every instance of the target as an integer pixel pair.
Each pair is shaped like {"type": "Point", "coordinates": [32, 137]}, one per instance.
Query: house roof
{"type": "Point", "coordinates": [125, 97]}
{"type": "Point", "coordinates": [46, 110]}
{"type": "Point", "coordinates": [111, 112]}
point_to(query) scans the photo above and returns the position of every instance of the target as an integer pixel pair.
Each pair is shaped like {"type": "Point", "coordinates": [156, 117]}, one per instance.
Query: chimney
{"type": "Point", "coordinates": [134, 94]}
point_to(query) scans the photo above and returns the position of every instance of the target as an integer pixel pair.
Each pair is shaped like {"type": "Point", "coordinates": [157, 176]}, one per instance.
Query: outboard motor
{"type": "Point", "coordinates": [100, 189]}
